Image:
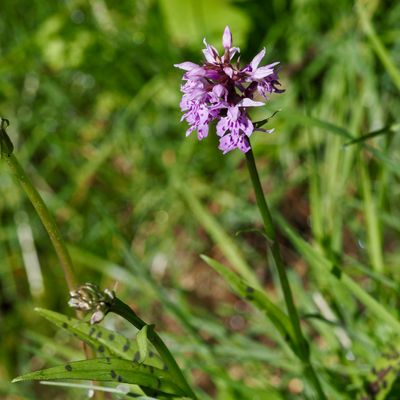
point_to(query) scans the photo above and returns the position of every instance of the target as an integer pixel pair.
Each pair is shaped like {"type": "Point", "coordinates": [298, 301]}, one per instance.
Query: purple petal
{"type": "Point", "coordinates": [211, 74]}
{"type": "Point", "coordinates": [233, 51]}
{"type": "Point", "coordinates": [187, 66]}
{"type": "Point", "coordinates": [262, 72]}
{"type": "Point", "coordinates": [257, 59]}
{"type": "Point", "coordinates": [190, 130]}
{"type": "Point", "coordinates": [243, 144]}
{"type": "Point", "coordinates": [227, 38]}
{"type": "Point", "coordinates": [249, 128]}
{"type": "Point", "coordinates": [219, 90]}
{"type": "Point", "coordinates": [210, 53]}
{"type": "Point", "coordinates": [226, 143]}
{"type": "Point", "coordinates": [228, 71]}
{"type": "Point", "coordinates": [265, 71]}
{"type": "Point", "coordinates": [250, 103]}
{"type": "Point", "coordinates": [233, 113]}
{"type": "Point", "coordinates": [202, 132]}
{"type": "Point", "coordinates": [195, 72]}
{"type": "Point", "coordinates": [222, 126]}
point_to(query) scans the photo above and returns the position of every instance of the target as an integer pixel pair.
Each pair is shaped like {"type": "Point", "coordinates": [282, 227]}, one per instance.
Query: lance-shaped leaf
{"type": "Point", "coordinates": [257, 297]}
{"type": "Point", "coordinates": [109, 370]}
{"type": "Point", "coordinates": [102, 340]}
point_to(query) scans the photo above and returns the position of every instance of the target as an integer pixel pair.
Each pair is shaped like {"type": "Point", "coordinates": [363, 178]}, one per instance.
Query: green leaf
{"type": "Point", "coordinates": [101, 339]}
{"type": "Point", "coordinates": [306, 120]}
{"type": "Point", "coordinates": [370, 135]}
{"type": "Point", "coordinates": [109, 370]}
{"type": "Point", "coordinates": [255, 296]}
{"type": "Point", "coordinates": [141, 339]}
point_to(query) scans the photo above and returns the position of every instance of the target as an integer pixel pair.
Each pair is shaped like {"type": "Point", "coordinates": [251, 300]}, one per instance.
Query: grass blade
{"type": "Point", "coordinates": [255, 296]}
{"type": "Point", "coordinates": [377, 44]}
{"type": "Point", "coordinates": [370, 135]}
{"type": "Point", "coordinates": [214, 229]}
{"type": "Point", "coordinates": [372, 219]}
{"type": "Point", "coordinates": [323, 266]}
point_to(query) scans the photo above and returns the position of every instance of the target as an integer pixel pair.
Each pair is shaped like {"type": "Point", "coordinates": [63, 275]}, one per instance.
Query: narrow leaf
{"type": "Point", "coordinates": [393, 165]}
{"type": "Point", "coordinates": [370, 135]}
{"type": "Point", "coordinates": [109, 370]}
{"type": "Point", "coordinates": [335, 274]}
{"type": "Point", "coordinates": [377, 45]}
{"type": "Point", "coordinates": [102, 340]}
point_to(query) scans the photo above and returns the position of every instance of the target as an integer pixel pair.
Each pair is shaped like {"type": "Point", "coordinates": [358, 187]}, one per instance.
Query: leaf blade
{"type": "Point", "coordinates": [108, 370]}
{"type": "Point", "coordinates": [101, 339]}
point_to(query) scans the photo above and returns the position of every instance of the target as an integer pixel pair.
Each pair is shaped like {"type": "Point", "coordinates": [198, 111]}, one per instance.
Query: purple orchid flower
{"type": "Point", "coordinates": [221, 91]}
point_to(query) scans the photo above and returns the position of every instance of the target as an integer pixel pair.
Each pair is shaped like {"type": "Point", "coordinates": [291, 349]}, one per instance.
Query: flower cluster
{"type": "Point", "coordinates": [222, 91]}
{"type": "Point", "coordinates": [89, 297]}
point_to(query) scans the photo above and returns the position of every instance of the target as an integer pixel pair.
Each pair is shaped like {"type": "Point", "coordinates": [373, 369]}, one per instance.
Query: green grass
{"type": "Point", "coordinates": [93, 101]}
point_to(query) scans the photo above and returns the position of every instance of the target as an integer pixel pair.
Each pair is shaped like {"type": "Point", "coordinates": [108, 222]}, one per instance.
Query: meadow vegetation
{"type": "Point", "coordinates": [92, 98]}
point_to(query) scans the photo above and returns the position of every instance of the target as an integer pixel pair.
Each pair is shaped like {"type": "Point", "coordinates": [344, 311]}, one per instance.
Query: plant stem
{"type": "Point", "coordinates": [46, 218]}
{"type": "Point", "coordinates": [123, 310]}
{"type": "Point", "coordinates": [303, 348]}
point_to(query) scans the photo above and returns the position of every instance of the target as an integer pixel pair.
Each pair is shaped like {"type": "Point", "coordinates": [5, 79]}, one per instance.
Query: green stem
{"type": "Point", "coordinates": [303, 348]}
{"type": "Point", "coordinates": [123, 310]}
{"type": "Point", "coordinates": [46, 218]}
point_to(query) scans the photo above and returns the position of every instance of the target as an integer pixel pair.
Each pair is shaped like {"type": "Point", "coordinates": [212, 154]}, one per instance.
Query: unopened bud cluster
{"type": "Point", "coordinates": [89, 297]}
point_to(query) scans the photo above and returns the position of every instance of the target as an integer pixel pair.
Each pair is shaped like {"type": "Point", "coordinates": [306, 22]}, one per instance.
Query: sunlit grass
{"type": "Point", "coordinates": [95, 121]}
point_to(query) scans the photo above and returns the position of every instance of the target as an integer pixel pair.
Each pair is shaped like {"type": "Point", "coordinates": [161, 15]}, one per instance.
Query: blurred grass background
{"type": "Point", "coordinates": [93, 100]}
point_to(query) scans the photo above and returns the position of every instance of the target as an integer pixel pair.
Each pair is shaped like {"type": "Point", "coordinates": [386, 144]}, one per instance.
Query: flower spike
{"type": "Point", "coordinates": [219, 90]}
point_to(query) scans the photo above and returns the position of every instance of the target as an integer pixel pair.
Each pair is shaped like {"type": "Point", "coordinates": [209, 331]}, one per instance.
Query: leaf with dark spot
{"type": "Point", "coordinates": [100, 369]}
{"type": "Point", "coordinates": [113, 343]}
